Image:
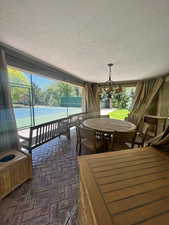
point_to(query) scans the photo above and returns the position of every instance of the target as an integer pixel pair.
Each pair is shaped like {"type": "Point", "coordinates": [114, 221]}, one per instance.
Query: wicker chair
{"type": "Point", "coordinates": [104, 116]}
{"type": "Point", "coordinates": [87, 138]}
{"type": "Point", "coordinates": [64, 128]}
{"type": "Point", "coordinates": [157, 139]}
{"type": "Point", "coordinates": [121, 138]}
{"type": "Point", "coordinates": [91, 115]}
{"type": "Point", "coordinates": [141, 135]}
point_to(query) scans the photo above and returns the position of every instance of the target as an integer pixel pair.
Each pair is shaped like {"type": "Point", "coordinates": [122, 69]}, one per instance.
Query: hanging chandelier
{"type": "Point", "coordinates": [109, 84]}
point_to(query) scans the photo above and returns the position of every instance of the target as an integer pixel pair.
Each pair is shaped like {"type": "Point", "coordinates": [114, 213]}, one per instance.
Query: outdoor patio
{"type": "Point", "coordinates": [51, 196]}
{"type": "Point", "coordinates": [84, 112]}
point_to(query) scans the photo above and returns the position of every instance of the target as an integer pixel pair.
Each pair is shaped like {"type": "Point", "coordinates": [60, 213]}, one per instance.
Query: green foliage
{"type": "Point", "coordinates": [120, 99]}
{"type": "Point", "coordinates": [38, 94]}
{"type": "Point", "coordinates": [119, 114]}
{"type": "Point", "coordinates": [51, 96]}
{"type": "Point", "coordinates": [54, 94]}
{"type": "Point", "coordinates": [17, 77]}
{"type": "Point", "coordinates": [65, 90]}
{"type": "Point", "coordinates": [19, 94]}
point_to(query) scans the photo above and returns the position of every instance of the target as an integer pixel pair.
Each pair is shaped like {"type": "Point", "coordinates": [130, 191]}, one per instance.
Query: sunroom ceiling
{"type": "Point", "coordinates": [81, 37]}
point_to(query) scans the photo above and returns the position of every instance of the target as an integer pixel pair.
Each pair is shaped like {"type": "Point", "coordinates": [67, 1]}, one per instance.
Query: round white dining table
{"type": "Point", "coordinates": [109, 125]}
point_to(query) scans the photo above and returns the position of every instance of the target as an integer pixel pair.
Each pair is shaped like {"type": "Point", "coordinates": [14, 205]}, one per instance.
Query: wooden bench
{"type": "Point", "coordinates": [42, 133]}
{"type": "Point", "coordinates": [125, 188]}
{"type": "Point", "coordinates": [45, 132]}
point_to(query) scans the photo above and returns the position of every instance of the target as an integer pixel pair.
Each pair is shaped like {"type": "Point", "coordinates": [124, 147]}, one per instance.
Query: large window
{"type": "Point", "coordinates": [37, 99]}
{"type": "Point", "coordinates": [120, 103]}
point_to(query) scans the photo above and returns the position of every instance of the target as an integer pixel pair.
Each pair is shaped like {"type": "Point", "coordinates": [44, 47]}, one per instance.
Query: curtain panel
{"type": "Point", "coordinates": [91, 98]}
{"type": "Point", "coordinates": [162, 142]}
{"type": "Point", "coordinates": [146, 99]}
{"type": "Point", "coordinates": [8, 130]}
{"type": "Point", "coordinates": [163, 102]}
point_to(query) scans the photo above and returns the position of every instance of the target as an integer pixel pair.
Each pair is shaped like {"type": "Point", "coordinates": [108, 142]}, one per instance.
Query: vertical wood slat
{"type": "Point", "coordinates": [50, 130]}
{"type": "Point", "coordinates": [37, 133]}
{"type": "Point", "coordinates": [43, 133]}
{"type": "Point", "coordinates": [46, 131]}
{"type": "Point", "coordinates": [55, 128]}
{"type": "Point", "coordinates": [30, 137]}
{"type": "Point", "coordinates": [53, 133]}
{"type": "Point", "coordinates": [48, 135]}
{"type": "Point", "coordinates": [40, 135]}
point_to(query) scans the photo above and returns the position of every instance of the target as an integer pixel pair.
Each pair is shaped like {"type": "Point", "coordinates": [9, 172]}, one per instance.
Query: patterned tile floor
{"type": "Point", "coordinates": [47, 199]}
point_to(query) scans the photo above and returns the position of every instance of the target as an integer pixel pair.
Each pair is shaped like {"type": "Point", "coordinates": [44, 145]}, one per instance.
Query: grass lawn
{"type": "Point", "coordinates": [119, 114]}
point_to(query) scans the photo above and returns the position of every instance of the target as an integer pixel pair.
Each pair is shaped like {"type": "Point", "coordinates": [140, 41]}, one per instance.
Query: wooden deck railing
{"type": "Point", "coordinates": [45, 132]}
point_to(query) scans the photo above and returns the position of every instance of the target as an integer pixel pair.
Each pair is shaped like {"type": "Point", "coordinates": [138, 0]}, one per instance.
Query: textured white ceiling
{"type": "Point", "coordinates": [82, 36]}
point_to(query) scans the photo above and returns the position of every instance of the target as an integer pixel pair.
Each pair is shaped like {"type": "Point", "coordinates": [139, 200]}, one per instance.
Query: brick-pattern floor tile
{"type": "Point", "coordinates": [50, 196]}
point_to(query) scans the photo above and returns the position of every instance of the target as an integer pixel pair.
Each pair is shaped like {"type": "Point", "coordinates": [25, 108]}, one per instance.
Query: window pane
{"type": "Point", "coordinates": [55, 99]}
{"type": "Point", "coordinates": [38, 99]}
{"type": "Point", "coordinates": [21, 104]}
{"type": "Point", "coordinates": [120, 103]}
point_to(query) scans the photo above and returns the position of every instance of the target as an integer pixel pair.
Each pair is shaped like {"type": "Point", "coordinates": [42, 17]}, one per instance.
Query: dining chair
{"type": "Point", "coordinates": [88, 139]}
{"type": "Point", "coordinates": [91, 115]}
{"type": "Point", "coordinates": [142, 135]}
{"type": "Point", "coordinates": [159, 137]}
{"type": "Point", "coordinates": [104, 116]}
{"type": "Point", "coordinates": [120, 140]}
{"type": "Point", "coordinates": [134, 119]}
{"type": "Point", "coordinates": [64, 128]}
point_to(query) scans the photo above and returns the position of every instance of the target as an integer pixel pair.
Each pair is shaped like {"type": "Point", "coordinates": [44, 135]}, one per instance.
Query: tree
{"type": "Point", "coordinates": [38, 94]}
{"type": "Point", "coordinates": [51, 96]}
{"type": "Point", "coordinates": [55, 92]}
{"type": "Point", "coordinates": [65, 90]}
{"type": "Point", "coordinates": [17, 77]}
{"type": "Point", "coordinates": [17, 80]}
{"type": "Point", "coordinates": [120, 98]}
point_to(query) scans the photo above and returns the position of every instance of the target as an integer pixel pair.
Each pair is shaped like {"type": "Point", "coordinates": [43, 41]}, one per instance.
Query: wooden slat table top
{"type": "Point", "coordinates": [129, 187]}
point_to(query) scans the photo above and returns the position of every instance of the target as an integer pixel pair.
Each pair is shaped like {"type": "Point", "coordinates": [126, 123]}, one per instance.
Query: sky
{"type": "Point", "coordinates": [41, 81]}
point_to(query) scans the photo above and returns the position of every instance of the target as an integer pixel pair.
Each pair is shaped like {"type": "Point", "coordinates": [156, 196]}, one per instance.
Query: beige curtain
{"type": "Point", "coordinates": [8, 130]}
{"type": "Point", "coordinates": [163, 101]}
{"type": "Point", "coordinates": [91, 98]}
{"type": "Point", "coordinates": [146, 98]}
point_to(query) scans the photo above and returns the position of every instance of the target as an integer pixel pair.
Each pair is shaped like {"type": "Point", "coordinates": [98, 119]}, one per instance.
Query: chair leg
{"type": "Point", "coordinates": [30, 152]}
{"type": "Point", "coordinates": [68, 134]}
{"type": "Point", "coordinates": [77, 145]}
{"type": "Point", "coordinates": [80, 149]}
